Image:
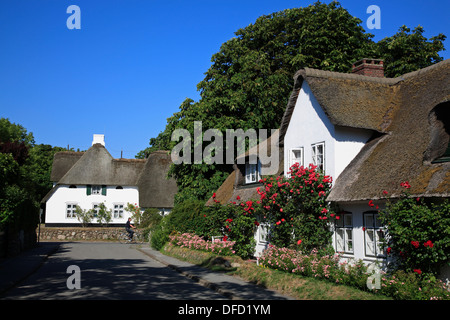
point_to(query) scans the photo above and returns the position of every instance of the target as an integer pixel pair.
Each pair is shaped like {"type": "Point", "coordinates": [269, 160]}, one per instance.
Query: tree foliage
{"type": "Point", "coordinates": [24, 175]}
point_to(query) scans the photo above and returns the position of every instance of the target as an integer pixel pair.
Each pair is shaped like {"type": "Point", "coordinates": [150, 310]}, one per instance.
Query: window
{"type": "Point", "coordinates": [344, 233]}
{"type": "Point", "coordinates": [96, 190]}
{"type": "Point", "coordinates": [318, 155]}
{"type": "Point", "coordinates": [439, 148]}
{"type": "Point", "coordinates": [118, 211]}
{"type": "Point", "coordinates": [95, 209]}
{"type": "Point", "coordinates": [263, 233]}
{"type": "Point", "coordinates": [296, 156]}
{"type": "Point", "coordinates": [70, 210]}
{"type": "Point", "coordinates": [251, 173]}
{"type": "Point", "coordinates": [373, 235]}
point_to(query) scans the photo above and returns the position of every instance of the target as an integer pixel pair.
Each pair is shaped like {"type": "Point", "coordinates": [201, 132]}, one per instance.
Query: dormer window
{"type": "Point", "coordinates": [251, 172]}
{"type": "Point", "coordinates": [439, 149]}
{"type": "Point", "coordinates": [95, 190]}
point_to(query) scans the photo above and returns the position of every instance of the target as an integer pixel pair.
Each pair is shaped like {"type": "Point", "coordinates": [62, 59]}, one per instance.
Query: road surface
{"type": "Point", "coordinates": [107, 271]}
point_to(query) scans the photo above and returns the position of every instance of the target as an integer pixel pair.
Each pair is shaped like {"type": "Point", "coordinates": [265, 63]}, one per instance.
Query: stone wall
{"type": "Point", "coordinates": [78, 234]}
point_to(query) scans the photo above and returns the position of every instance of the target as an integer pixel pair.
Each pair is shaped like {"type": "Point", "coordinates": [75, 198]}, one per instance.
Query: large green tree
{"type": "Point", "coordinates": [24, 175]}
{"type": "Point", "coordinates": [250, 78]}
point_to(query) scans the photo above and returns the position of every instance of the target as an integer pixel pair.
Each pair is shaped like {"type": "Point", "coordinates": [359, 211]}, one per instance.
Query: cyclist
{"type": "Point", "coordinates": [129, 227]}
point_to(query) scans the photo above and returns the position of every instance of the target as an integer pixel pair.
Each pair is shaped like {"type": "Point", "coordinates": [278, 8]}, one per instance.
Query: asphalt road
{"type": "Point", "coordinates": [107, 271]}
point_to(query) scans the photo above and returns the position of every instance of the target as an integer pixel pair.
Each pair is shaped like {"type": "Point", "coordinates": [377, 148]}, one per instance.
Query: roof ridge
{"type": "Point", "coordinates": [317, 73]}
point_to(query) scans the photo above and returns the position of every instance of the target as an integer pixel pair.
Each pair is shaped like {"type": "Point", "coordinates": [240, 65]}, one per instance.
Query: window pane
{"type": "Point", "coordinates": [348, 220]}
{"type": "Point", "coordinates": [320, 149]}
{"type": "Point", "coordinates": [368, 220]}
{"type": "Point", "coordinates": [349, 240]}
{"type": "Point", "coordinates": [370, 242]}
{"type": "Point", "coordinates": [377, 221]}
{"type": "Point", "coordinates": [339, 240]}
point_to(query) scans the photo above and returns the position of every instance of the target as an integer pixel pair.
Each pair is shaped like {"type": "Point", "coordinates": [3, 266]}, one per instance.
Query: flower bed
{"type": "Point", "coordinates": [192, 241]}
{"type": "Point", "coordinates": [400, 285]}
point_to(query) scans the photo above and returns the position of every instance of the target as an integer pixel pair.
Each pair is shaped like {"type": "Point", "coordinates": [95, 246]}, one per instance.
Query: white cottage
{"type": "Point", "coordinates": [370, 134]}
{"type": "Point", "coordinates": [89, 178]}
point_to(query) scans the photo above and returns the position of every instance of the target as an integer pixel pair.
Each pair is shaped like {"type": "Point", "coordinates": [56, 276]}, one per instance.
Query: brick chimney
{"type": "Point", "coordinates": [369, 67]}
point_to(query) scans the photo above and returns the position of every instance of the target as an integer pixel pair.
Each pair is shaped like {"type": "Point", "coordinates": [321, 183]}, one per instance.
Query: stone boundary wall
{"type": "Point", "coordinates": [78, 233]}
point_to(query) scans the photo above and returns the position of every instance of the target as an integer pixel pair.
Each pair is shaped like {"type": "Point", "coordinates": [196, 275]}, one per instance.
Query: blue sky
{"type": "Point", "coordinates": [133, 62]}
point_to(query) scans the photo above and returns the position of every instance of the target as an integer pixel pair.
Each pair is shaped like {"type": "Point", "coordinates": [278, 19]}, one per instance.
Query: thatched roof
{"type": "Point", "coordinates": [348, 100]}
{"type": "Point", "coordinates": [234, 185]}
{"type": "Point", "coordinates": [155, 189]}
{"type": "Point", "coordinates": [399, 111]}
{"type": "Point", "coordinates": [96, 166]}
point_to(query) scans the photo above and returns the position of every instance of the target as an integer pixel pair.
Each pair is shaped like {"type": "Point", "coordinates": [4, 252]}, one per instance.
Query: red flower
{"type": "Point", "coordinates": [389, 250]}
{"type": "Point", "coordinates": [418, 271]}
{"type": "Point", "coordinates": [278, 223]}
{"type": "Point", "coordinates": [371, 203]}
{"type": "Point", "coordinates": [238, 198]}
{"type": "Point", "coordinates": [214, 195]}
{"type": "Point", "coordinates": [405, 185]}
{"type": "Point", "coordinates": [428, 244]}
{"type": "Point", "coordinates": [299, 241]}
{"type": "Point", "coordinates": [256, 223]}
{"type": "Point", "coordinates": [415, 244]}
{"type": "Point", "coordinates": [385, 192]}
{"type": "Point", "coordinates": [224, 238]}
{"type": "Point", "coordinates": [324, 210]}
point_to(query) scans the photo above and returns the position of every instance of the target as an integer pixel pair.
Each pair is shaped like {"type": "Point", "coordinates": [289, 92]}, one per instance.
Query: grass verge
{"type": "Point", "coordinates": [298, 287]}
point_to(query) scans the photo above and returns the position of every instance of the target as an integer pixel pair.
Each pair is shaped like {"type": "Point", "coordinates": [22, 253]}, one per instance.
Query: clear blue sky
{"type": "Point", "coordinates": [133, 62]}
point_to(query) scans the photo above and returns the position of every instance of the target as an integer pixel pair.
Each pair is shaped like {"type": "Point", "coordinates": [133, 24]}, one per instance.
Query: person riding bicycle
{"type": "Point", "coordinates": [129, 227]}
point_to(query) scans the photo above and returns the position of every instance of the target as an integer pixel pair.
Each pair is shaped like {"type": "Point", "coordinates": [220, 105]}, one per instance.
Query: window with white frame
{"type": "Point", "coordinates": [296, 156]}
{"type": "Point", "coordinates": [70, 210]}
{"type": "Point", "coordinates": [251, 172]}
{"type": "Point", "coordinates": [263, 233]}
{"type": "Point", "coordinates": [318, 155]}
{"type": "Point", "coordinates": [118, 211]}
{"type": "Point", "coordinates": [95, 209]}
{"type": "Point", "coordinates": [373, 234]}
{"type": "Point", "coordinates": [344, 233]}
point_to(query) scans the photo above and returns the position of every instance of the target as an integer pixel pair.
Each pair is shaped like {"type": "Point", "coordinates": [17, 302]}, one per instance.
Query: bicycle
{"type": "Point", "coordinates": [124, 237]}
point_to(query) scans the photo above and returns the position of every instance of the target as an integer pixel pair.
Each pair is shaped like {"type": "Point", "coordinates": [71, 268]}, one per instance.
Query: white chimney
{"type": "Point", "coordinates": [99, 138]}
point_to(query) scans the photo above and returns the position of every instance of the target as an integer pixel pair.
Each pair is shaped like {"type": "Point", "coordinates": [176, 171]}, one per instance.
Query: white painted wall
{"type": "Point", "coordinates": [309, 125]}
{"type": "Point", "coordinates": [56, 205]}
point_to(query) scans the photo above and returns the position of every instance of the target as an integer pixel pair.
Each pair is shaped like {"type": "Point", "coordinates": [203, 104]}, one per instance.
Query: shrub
{"type": "Point", "coordinates": [399, 285]}
{"type": "Point", "coordinates": [417, 233]}
{"type": "Point", "coordinates": [296, 208]}
{"type": "Point", "coordinates": [193, 241]}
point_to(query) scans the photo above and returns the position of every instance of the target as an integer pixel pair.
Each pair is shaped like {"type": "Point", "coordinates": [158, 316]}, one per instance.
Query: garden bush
{"type": "Point", "coordinates": [399, 285]}
{"type": "Point", "coordinates": [417, 233]}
